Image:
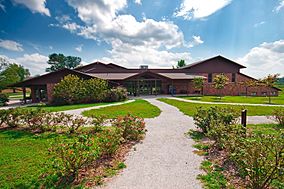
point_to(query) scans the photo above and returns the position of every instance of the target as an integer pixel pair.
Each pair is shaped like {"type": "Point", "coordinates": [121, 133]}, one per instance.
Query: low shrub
{"type": "Point", "coordinates": [204, 118]}
{"type": "Point", "coordinates": [132, 127]}
{"type": "Point", "coordinates": [115, 95]}
{"type": "Point", "coordinates": [11, 117]}
{"type": "Point", "coordinates": [109, 140]}
{"type": "Point", "coordinates": [260, 158]}
{"type": "Point", "coordinates": [3, 99]}
{"type": "Point", "coordinates": [278, 116]}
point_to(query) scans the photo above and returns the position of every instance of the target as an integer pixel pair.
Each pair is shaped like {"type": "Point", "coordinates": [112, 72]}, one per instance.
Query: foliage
{"type": "Point", "coordinates": [3, 99]}
{"type": "Point", "coordinates": [69, 155]}
{"type": "Point", "coordinates": [206, 118]}
{"type": "Point", "coordinates": [198, 83]}
{"type": "Point", "coordinates": [60, 61]}
{"type": "Point", "coordinates": [109, 140]}
{"type": "Point", "coordinates": [260, 158]}
{"type": "Point", "coordinates": [12, 74]}
{"type": "Point", "coordinates": [249, 83]}
{"type": "Point", "coordinates": [132, 127]}
{"type": "Point", "coordinates": [73, 89]}
{"type": "Point", "coordinates": [220, 81]}
{"type": "Point", "coordinates": [278, 116]}
{"type": "Point", "coordinates": [269, 82]}
{"type": "Point", "coordinates": [116, 95]}
{"type": "Point", "coordinates": [181, 63]}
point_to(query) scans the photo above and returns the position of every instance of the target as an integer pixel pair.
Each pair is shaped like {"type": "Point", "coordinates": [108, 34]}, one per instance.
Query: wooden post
{"type": "Point", "coordinates": [244, 118]}
{"type": "Point", "coordinates": [24, 95]}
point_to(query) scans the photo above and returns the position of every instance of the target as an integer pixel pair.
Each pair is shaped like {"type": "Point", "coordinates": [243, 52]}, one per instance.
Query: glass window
{"type": "Point", "coordinates": [233, 77]}
{"type": "Point", "coordinates": [210, 78]}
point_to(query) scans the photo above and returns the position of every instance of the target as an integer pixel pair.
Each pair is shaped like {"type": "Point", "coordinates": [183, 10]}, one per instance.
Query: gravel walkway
{"type": "Point", "coordinates": [79, 111]}
{"type": "Point", "coordinates": [165, 158]}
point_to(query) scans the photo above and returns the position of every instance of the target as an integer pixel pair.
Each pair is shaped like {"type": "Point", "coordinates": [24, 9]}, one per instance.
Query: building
{"type": "Point", "coordinates": [146, 81]}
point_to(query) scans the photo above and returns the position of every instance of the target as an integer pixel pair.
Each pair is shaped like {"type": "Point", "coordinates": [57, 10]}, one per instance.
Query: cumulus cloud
{"type": "Point", "coordinates": [36, 6]}
{"type": "Point", "coordinates": [267, 58]}
{"type": "Point", "coordinates": [79, 48]}
{"type": "Point", "coordinates": [279, 6]}
{"type": "Point", "coordinates": [196, 40]}
{"type": "Point", "coordinates": [11, 45]}
{"type": "Point", "coordinates": [138, 2]}
{"type": "Point", "coordinates": [192, 9]}
{"type": "Point", "coordinates": [259, 24]}
{"type": "Point", "coordinates": [2, 7]}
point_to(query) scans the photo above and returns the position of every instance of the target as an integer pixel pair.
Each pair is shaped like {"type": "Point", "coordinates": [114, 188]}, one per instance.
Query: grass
{"type": "Point", "coordinates": [265, 128]}
{"type": "Point", "coordinates": [189, 108]}
{"type": "Point", "coordinates": [51, 108]}
{"type": "Point", "coordinates": [241, 99]}
{"type": "Point", "coordinates": [22, 157]}
{"type": "Point", "coordinates": [16, 96]}
{"type": "Point", "coordinates": [140, 108]}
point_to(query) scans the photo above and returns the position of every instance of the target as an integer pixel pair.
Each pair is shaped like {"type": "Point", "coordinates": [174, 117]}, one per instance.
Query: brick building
{"type": "Point", "coordinates": [145, 81]}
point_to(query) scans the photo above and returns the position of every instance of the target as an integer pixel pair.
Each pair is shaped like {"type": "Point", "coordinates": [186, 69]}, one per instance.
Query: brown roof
{"type": "Point", "coordinates": [180, 75]}
{"type": "Point", "coordinates": [202, 61]}
{"type": "Point", "coordinates": [113, 76]}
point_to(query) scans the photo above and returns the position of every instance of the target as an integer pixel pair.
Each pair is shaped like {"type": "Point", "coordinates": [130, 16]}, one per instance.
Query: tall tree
{"type": "Point", "coordinates": [219, 82]}
{"type": "Point", "coordinates": [59, 61]}
{"type": "Point", "coordinates": [198, 84]}
{"type": "Point", "coordinates": [12, 74]}
{"type": "Point", "coordinates": [181, 63]}
{"type": "Point", "coordinates": [249, 83]}
{"type": "Point", "coordinates": [269, 82]}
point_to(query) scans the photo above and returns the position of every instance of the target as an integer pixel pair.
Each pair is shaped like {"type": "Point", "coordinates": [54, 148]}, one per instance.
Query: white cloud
{"type": "Point", "coordinates": [259, 24]}
{"type": "Point", "coordinates": [138, 2]}
{"type": "Point", "coordinates": [267, 58]}
{"type": "Point", "coordinates": [196, 40]}
{"type": "Point", "coordinates": [79, 48]}
{"type": "Point", "coordinates": [279, 6]}
{"type": "Point", "coordinates": [11, 45]}
{"type": "Point", "coordinates": [71, 26]}
{"type": "Point", "coordinates": [36, 6]}
{"type": "Point", "coordinates": [133, 56]}
{"type": "Point", "coordinates": [193, 9]}
{"type": "Point", "coordinates": [2, 6]}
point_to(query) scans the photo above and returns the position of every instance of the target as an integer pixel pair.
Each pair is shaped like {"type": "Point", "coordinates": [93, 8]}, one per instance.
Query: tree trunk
{"type": "Point", "coordinates": [14, 90]}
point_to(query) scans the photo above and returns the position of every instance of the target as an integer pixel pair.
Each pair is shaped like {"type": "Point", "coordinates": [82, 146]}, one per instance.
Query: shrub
{"type": "Point", "coordinates": [71, 122]}
{"type": "Point", "coordinates": [260, 158]}
{"type": "Point", "coordinates": [205, 117]}
{"type": "Point", "coordinates": [132, 127]}
{"type": "Point", "coordinates": [11, 117]}
{"type": "Point", "coordinates": [3, 99]}
{"type": "Point", "coordinates": [115, 95]}
{"type": "Point", "coordinates": [69, 155]}
{"type": "Point", "coordinates": [72, 90]}
{"type": "Point", "coordinates": [109, 140]}
{"type": "Point", "coordinates": [278, 116]}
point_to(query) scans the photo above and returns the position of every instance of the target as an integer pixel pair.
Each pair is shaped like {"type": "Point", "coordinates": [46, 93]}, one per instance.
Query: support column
{"type": "Point", "coordinates": [24, 95]}
{"type": "Point", "coordinates": [156, 87]}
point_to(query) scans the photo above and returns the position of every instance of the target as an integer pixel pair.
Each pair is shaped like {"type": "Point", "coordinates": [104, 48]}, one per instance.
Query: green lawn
{"type": "Point", "coordinates": [139, 108]}
{"type": "Point", "coordinates": [240, 99]}
{"type": "Point", "coordinates": [190, 108]}
{"type": "Point", "coordinates": [16, 96]}
{"type": "Point", "coordinates": [22, 158]}
{"type": "Point", "coordinates": [265, 128]}
{"type": "Point", "coordinates": [66, 107]}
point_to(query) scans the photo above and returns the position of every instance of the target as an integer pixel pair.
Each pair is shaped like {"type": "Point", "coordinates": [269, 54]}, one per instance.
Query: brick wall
{"type": "Point", "coordinates": [49, 90]}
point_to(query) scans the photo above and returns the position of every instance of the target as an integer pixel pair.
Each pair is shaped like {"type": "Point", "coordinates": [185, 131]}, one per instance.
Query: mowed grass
{"type": "Point", "coordinates": [52, 108]}
{"type": "Point", "coordinates": [241, 99]}
{"type": "Point", "coordinates": [22, 158]}
{"type": "Point", "coordinates": [189, 108]}
{"type": "Point", "coordinates": [140, 108]}
{"type": "Point", "coordinates": [265, 128]}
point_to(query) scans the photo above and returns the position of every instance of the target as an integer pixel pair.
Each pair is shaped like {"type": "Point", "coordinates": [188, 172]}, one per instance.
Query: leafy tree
{"type": "Point", "coordinates": [181, 63]}
{"type": "Point", "coordinates": [60, 61]}
{"type": "Point", "coordinates": [249, 83]}
{"type": "Point", "coordinates": [198, 83]}
{"type": "Point", "coordinates": [220, 82]}
{"type": "Point", "coordinates": [13, 73]}
{"type": "Point", "coordinates": [269, 82]}
{"type": "Point", "coordinates": [3, 63]}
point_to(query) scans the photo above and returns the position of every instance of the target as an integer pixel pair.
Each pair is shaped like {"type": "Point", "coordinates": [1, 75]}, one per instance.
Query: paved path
{"type": "Point", "coordinates": [165, 158]}
{"type": "Point", "coordinates": [79, 111]}
{"type": "Point", "coordinates": [227, 103]}
{"type": "Point", "coordinates": [250, 120]}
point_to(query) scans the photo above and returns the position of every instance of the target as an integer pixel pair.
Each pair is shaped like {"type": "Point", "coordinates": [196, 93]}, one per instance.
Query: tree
{"type": "Point", "coordinates": [249, 83]}
{"type": "Point", "coordinates": [13, 73]}
{"type": "Point", "coordinates": [220, 82]}
{"type": "Point", "coordinates": [269, 82]}
{"type": "Point", "coordinates": [181, 63]}
{"type": "Point", "coordinates": [59, 61]}
{"type": "Point", "coordinates": [198, 83]}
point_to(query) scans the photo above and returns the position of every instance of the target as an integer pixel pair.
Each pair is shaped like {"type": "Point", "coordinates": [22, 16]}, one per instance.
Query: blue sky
{"type": "Point", "coordinates": [152, 32]}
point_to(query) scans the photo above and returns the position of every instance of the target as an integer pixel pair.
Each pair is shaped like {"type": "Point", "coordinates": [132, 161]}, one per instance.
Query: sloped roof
{"type": "Point", "coordinates": [180, 75]}
{"type": "Point", "coordinates": [206, 60]}
{"type": "Point", "coordinates": [113, 76]}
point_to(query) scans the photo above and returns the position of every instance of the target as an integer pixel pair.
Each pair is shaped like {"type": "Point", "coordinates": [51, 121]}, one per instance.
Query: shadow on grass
{"type": "Point", "coordinates": [17, 134]}
{"type": "Point", "coordinates": [195, 135]}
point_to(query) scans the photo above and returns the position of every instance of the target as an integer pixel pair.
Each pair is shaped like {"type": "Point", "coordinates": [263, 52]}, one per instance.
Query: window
{"type": "Point", "coordinates": [210, 78]}
{"type": "Point", "coordinates": [233, 77]}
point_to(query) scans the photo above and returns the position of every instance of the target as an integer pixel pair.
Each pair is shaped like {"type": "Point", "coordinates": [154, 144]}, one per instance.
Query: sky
{"type": "Point", "coordinates": [157, 33]}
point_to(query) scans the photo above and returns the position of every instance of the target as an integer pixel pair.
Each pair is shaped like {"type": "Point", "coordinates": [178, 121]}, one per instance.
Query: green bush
{"type": "Point", "coordinates": [260, 158]}
{"type": "Point", "coordinates": [204, 118]}
{"type": "Point", "coordinates": [72, 90]}
{"type": "Point", "coordinates": [115, 95]}
{"type": "Point", "coordinates": [132, 127]}
{"type": "Point", "coordinates": [278, 116]}
{"type": "Point", "coordinates": [109, 140]}
{"type": "Point", "coordinates": [3, 99]}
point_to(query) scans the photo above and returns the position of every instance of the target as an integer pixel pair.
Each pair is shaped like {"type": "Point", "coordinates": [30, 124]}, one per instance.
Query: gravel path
{"type": "Point", "coordinates": [165, 158]}
{"type": "Point", "coordinates": [79, 111]}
